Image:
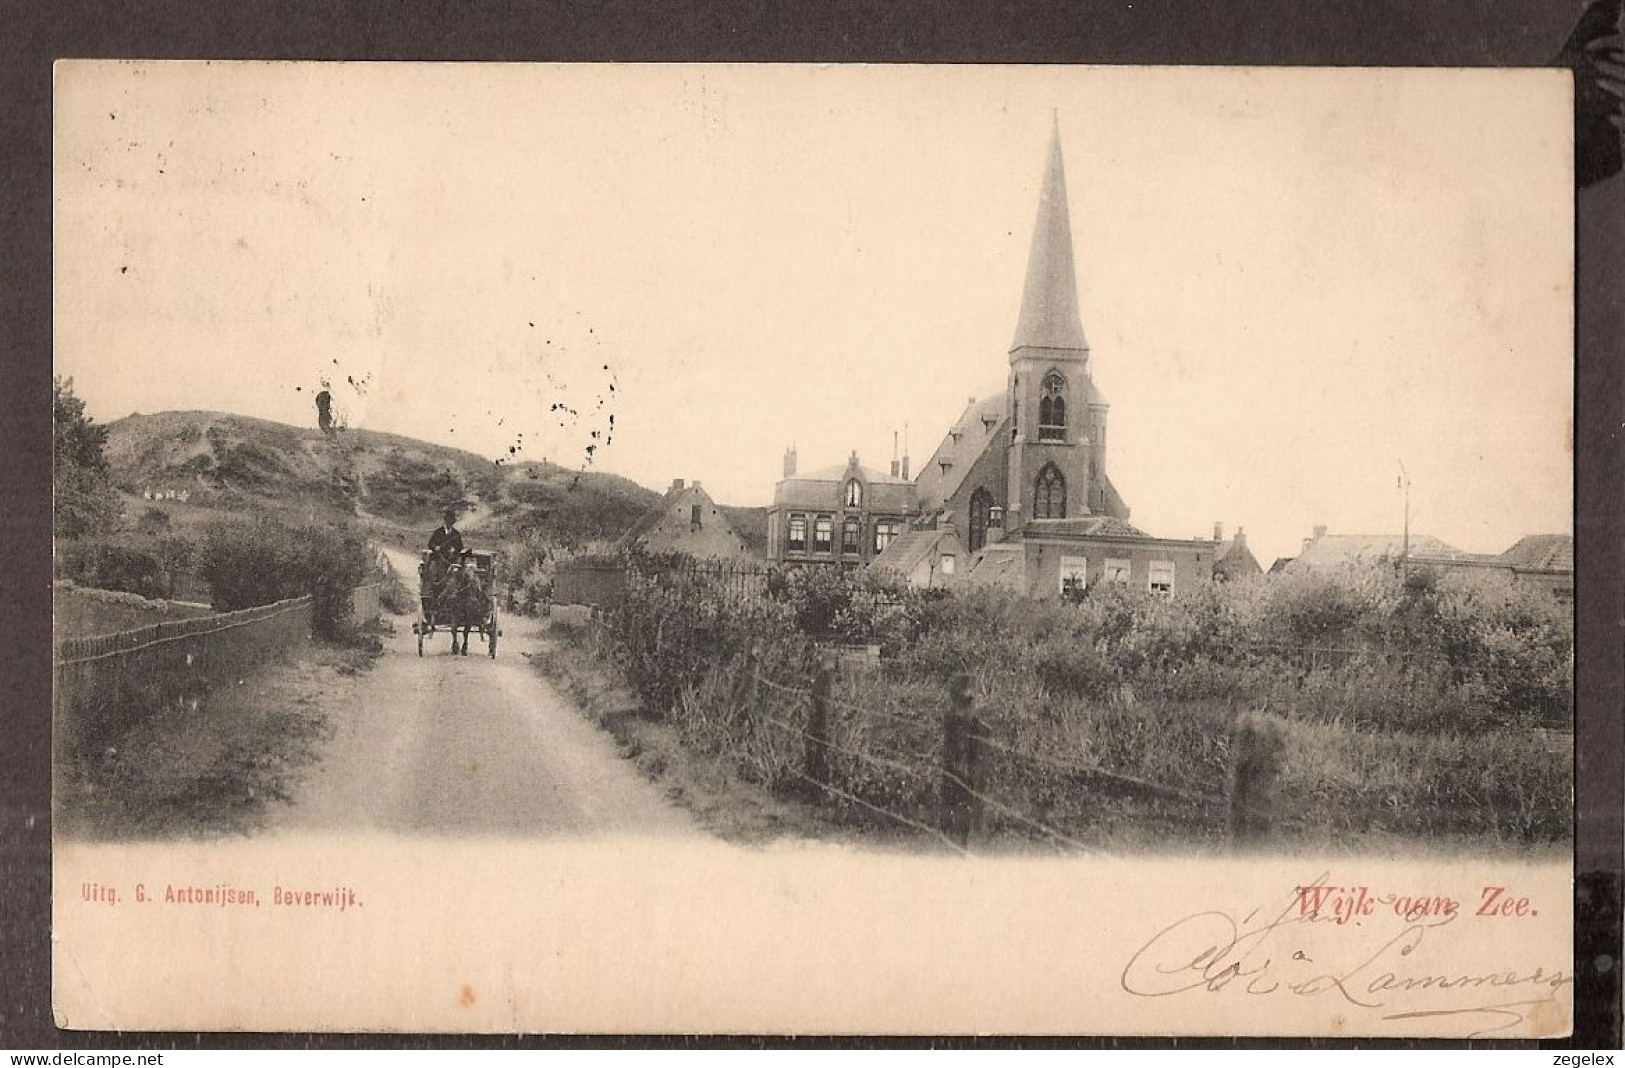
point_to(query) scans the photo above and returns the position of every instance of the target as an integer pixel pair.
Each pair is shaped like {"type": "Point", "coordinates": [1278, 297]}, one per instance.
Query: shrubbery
{"type": "Point", "coordinates": [1406, 702]}
{"type": "Point", "coordinates": [262, 560]}
{"type": "Point", "coordinates": [83, 499]}
{"type": "Point", "coordinates": [528, 574]}
{"type": "Point", "coordinates": [147, 568]}
{"type": "Point", "coordinates": [107, 565]}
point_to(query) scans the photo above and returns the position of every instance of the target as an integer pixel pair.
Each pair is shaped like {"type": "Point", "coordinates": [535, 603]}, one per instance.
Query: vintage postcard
{"type": "Point", "coordinates": [619, 548]}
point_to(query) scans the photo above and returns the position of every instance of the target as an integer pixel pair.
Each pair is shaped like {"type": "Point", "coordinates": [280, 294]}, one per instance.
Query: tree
{"type": "Point", "coordinates": [84, 500]}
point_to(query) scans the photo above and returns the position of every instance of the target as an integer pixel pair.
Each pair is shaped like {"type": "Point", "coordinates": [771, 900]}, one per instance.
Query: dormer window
{"type": "Point", "coordinates": [854, 494]}
{"type": "Point", "coordinates": [1052, 408]}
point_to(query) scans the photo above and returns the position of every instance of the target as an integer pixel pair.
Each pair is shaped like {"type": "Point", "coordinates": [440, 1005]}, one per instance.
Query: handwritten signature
{"type": "Point", "coordinates": [1215, 952]}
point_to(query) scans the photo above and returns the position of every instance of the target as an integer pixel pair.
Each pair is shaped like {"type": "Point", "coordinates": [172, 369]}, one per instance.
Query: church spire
{"type": "Point", "coordinates": [1049, 304]}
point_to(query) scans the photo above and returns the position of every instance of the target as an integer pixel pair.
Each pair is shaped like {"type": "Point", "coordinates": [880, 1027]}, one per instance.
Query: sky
{"type": "Point", "coordinates": [1293, 281]}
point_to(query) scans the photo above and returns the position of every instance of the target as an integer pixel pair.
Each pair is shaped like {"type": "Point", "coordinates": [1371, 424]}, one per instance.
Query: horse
{"type": "Point", "coordinates": [432, 574]}
{"type": "Point", "coordinates": [461, 603]}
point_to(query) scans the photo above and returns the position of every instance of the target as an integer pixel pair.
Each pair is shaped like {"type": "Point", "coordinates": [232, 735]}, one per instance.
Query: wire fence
{"type": "Point", "coordinates": [934, 774]}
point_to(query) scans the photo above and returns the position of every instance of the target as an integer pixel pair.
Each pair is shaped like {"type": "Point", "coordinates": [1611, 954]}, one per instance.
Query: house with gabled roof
{"type": "Point", "coordinates": [685, 520]}
{"type": "Point", "coordinates": [1232, 559]}
{"type": "Point", "coordinates": [1018, 485]}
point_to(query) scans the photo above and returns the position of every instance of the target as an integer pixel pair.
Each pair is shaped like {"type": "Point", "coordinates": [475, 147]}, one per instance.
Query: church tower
{"type": "Point", "coordinates": [1057, 452]}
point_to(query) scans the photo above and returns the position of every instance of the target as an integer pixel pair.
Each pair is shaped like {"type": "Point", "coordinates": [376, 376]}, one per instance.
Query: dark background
{"type": "Point", "coordinates": [1433, 33]}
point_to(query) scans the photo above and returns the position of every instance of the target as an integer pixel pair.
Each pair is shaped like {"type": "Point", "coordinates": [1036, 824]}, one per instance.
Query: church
{"type": "Point", "coordinates": [1018, 493]}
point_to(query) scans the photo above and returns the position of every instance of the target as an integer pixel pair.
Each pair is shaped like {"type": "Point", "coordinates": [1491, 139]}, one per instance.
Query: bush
{"type": "Point", "coordinates": [530, 571]}
{"type": "Point", "coordinates": [84, 502]}
{"type": "Point", "coordinates": [395, 597]}
{"type": "Point", "coordinates": [153, 521]}
{"type": "Point", "coordinates": [261, 561]}
{"type": "Point", "coordinates": [108, 565]}
{"type": "Point", "coordinates": [1404, 702]}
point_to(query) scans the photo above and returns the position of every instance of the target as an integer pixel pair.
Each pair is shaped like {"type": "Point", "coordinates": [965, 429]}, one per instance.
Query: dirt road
{"type": "Point", "coordinates": [468, 746]}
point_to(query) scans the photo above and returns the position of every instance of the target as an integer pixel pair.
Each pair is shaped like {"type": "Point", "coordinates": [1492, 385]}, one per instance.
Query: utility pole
{"type": "Point", "coordinates": [1404, 484]}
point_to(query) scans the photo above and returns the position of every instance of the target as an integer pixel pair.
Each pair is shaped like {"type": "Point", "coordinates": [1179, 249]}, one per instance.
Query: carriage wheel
{"type": "Point", "coordinates": [419, 629]}
{"type": "Point", "coordinates": [491, 639]}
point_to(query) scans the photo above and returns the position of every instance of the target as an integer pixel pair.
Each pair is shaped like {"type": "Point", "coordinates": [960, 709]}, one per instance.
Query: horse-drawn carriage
{"type": "Point", "coordinates": [458, 593]}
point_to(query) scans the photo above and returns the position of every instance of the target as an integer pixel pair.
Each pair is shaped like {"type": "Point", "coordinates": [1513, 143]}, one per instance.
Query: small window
{"type": "Point", "coordinates": [886, 532]}
{"type": "Point", "coordinates": [854, 494]}
{"type": "Point", "coordinates": [823, 528]}
{"type": "Point", "coordinates": [694, 516]}
{"type": "Point", "coordinates": [1115, 570]}
{"type": "Point", "coordinates": [851, 535]}
{"type": "Point", "coordinates": [797, 540]}
{"type": "Point", "coordinates": [947, 563]}
{"type": "Point", "coordinates": [1162, 577]}
{"type": "Point", "coordinates": [1074, 576]}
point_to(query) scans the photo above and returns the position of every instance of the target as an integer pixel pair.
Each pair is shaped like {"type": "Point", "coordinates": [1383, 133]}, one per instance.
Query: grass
{"type": "Point", "coordinates": [725, 802]}
{"type": "Point", "coordinates": [210, 765]}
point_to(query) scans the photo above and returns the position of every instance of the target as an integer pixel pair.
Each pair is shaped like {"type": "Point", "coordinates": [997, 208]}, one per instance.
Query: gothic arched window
{"type": "Point", "coordinates": [981, 506]}
{"type": "Point", "coordinates": [1052, 408]}
{"type": "Point", "coordinates": [1049, 497]}
{"type": "Point", "coordinates": [854, 494]}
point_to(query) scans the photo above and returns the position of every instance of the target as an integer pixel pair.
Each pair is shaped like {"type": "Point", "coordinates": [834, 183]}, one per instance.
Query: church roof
{"type": "Point", "coordinates": [981, 423]}
{"type": "Point", "coordinates": [1049, 302]}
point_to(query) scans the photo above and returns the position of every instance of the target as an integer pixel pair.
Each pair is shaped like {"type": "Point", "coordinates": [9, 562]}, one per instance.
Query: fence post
{"type": "Point", "coordinates": [959, 809]}
{"type": "Point", "coordinates": [815, 756]}
{"type": "Point", "coordinates": [1256, 747]}
{"type": "Point", "coordinates": [745, 686]}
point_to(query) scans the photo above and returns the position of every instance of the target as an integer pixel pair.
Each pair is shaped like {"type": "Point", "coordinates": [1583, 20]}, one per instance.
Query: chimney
{"type": "Point", "coordinates": [695, 483]}
{"type": "Point", "coordinates": [676, 483]}
{"type": "Point", "coordinates": [1320, 531]}
{"type": "Point", "coordinates": [790, 462]}
{"type": "Point", "coordinates": [1218, 530]}
{"type": "Point", "coordinates": [894, 465]}
{"type": "Point", "coordinates": [904, 474]}
{"type": "Point", "coordinates": [1241, 536]}
{"type": "Point", "coordinates": [852, 461]}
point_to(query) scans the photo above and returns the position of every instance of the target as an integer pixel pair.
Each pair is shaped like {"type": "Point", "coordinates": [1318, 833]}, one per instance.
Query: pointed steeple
{"type": "Point", "coordinates": [1049, 304]}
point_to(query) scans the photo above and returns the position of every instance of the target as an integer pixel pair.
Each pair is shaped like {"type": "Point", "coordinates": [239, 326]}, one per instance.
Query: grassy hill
{"type": "Point", "coordinates": [398, 485]}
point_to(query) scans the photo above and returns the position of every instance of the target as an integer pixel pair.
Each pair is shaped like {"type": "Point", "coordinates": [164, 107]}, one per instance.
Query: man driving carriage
{"type": "Point", "coordinates": [454, 585]}
{"type": "Point", "coordinates": [445, 547]}
{"type": "Point", "coordinates": [447, 540]}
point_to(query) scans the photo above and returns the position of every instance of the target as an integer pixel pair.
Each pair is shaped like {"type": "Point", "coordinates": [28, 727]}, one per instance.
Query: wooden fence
{"type": "Point", "coordinates": [366, 603]}
{"type": "Point", "coordinates": [106, 684]}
